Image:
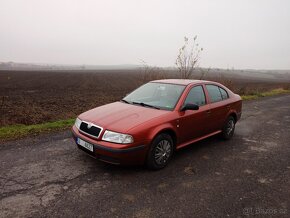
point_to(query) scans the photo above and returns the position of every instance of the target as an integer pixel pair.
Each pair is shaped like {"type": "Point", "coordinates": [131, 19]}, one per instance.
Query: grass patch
{"type": "Point", "coordinates": [19, 131]}
{"type": "Point", "coordinates": [265, 94]}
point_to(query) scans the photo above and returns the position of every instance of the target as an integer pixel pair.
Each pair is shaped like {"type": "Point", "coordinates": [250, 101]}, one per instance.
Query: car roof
{"type": "Point", "coordinates": [180, 81]}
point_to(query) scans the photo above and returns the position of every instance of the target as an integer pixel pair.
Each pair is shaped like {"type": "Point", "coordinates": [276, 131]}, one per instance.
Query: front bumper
{"type": "Point", "coordinates": [111, 152]}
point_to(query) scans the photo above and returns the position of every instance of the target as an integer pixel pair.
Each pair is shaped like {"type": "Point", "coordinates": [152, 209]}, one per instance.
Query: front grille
{"type": "Point", "coordinates": [93, 131]}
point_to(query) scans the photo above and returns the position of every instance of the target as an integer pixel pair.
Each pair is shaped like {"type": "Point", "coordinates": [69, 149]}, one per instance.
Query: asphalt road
{"type": "Point", "coordinates": [249, 175]}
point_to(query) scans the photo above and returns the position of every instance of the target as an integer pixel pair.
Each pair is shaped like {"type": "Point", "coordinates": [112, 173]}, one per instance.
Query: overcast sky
{"type": "Point", "coordinates": [233, 33]}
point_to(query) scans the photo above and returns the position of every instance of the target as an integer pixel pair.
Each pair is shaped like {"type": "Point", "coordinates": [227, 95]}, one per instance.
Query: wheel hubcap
{"type": "Point", "coordinates": [162, 152]}
{"type": "Point", "coordinates": [230, 126]}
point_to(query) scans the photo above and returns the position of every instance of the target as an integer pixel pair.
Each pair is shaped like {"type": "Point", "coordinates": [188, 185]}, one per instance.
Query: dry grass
{"type": "Point", "coordinates": [266, 94]}
{"type": "Point", "coordinates": [19, 131]}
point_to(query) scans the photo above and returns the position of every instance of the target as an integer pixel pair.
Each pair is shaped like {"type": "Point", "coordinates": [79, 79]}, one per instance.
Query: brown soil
{"type": "Point", "coordinates": [37, 97]}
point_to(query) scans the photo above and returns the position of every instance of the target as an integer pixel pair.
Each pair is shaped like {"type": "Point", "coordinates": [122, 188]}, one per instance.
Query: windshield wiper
{"type": "Point", "coordinates": [145, 105]}
{"type": "Point", "coordinates": [127, 102]}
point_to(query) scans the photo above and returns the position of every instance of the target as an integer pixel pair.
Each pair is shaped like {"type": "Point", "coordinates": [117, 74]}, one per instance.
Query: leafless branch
{"type": "Point", "coordinates": [188, 58]}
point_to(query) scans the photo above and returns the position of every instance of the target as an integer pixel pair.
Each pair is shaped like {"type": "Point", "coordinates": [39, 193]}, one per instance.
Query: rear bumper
{"type": "Point", "coordinates": [126, 156]}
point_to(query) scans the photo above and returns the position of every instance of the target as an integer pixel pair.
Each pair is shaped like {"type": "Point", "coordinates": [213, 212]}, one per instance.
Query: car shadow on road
{"type": "Point", "coordinates": [184, 157]}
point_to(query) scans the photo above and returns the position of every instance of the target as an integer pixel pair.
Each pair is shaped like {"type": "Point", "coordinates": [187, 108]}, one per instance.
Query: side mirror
{"type": "Point", "coordinates": [193, 107]}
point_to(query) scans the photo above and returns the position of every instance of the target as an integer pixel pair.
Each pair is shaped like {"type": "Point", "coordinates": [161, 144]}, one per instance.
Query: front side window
{"type": "Point", "coordinates": [160, 95]}
{"type": "Point", "coordinates": [214, 93]}
{"type": "Point", "coordinates": [195, 96]}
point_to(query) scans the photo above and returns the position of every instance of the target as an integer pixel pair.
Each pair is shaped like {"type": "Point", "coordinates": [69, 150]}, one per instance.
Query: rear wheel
{"type": "Point", "coordinates": [229, 128]}
{"type": "Point", "coordinates": [160, 152]}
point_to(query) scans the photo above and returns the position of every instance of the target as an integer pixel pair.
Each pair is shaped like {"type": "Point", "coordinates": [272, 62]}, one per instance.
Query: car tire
{"type": "Point", "coordinates": [229, 128]}
{"type": "Point", "coordinates": [160, 152]}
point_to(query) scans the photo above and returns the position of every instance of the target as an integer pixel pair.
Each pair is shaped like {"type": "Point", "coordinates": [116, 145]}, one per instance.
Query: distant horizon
{"type": "Point", "coordinates": [130, 66]}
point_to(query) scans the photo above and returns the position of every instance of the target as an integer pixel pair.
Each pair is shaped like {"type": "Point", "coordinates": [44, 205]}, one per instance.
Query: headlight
{"type": "Point", "coordinates": [78, 123]}
{"type": "Point", "coordinates": [110, 136]}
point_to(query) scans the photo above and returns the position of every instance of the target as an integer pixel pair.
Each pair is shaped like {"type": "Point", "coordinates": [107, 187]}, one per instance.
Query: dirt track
{"type": "Point", "coordinates": [249, 175]}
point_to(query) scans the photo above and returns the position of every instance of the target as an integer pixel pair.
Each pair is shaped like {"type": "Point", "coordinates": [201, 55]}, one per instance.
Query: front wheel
{"type": "Point", "coordinates": [229, 128]}
{"type": "Point", "coordinates": [160, 152]}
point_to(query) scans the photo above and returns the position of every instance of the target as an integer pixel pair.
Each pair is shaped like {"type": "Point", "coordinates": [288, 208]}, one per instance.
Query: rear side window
{"type": "Point", "coordinates": [214, 93]}
{"type": "Point", "coordinates": [195, 96]}
{"type": "Point", "coordinates": [224, 93]}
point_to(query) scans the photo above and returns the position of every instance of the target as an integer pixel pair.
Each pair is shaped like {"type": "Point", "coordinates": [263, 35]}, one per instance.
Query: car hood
{"type": "Point", "coordinates": [121, 117]}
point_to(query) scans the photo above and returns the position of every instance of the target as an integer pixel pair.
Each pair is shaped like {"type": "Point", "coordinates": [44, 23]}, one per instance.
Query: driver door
{"type": "Point", "coordinates": [193, 123]}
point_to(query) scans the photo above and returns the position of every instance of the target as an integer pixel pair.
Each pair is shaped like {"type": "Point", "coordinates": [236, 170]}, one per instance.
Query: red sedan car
{"type": "Point", "coordinates": [161, 116]}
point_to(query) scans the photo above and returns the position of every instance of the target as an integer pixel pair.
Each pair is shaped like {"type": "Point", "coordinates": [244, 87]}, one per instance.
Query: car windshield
{"type": "Point", "coordinates": [156, 95]}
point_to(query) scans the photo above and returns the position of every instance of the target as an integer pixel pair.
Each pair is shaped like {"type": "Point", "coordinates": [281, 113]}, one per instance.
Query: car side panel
{"type": "Point", "coordinates": [193, 124]}
{"type": "Point", "coordinates": [150, 130]}
{"type": "Point", "coordinates": [218, 113]}
{"type": "Point", "coordinates": [236, 109]}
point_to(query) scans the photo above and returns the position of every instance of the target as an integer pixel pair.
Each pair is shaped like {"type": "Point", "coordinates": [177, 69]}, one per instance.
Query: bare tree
{"type": "Point", "coordinates": [188, 58]}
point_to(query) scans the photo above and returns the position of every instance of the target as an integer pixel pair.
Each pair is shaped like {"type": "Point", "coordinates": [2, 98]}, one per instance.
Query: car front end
{"type": "Point", "coordinates": [108, 146]}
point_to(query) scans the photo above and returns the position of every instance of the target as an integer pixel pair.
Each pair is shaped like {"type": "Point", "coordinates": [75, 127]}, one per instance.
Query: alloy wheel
{"type": "Point", "coordinates": [162, 152]}
{"type": "Point", "coordinates": [230, 126]}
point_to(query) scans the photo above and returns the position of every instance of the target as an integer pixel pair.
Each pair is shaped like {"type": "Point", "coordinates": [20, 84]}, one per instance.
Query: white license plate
{"type": "Point", "coordinates": [85, 144]}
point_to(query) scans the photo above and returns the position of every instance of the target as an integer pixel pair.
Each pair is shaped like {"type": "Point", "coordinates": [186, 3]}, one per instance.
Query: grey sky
{"type": "Point", "coordinates": [240, 34]}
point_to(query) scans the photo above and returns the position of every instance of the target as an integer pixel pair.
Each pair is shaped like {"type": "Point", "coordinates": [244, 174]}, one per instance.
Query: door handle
{"type": "Point", "coordinates": [208, 111]}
